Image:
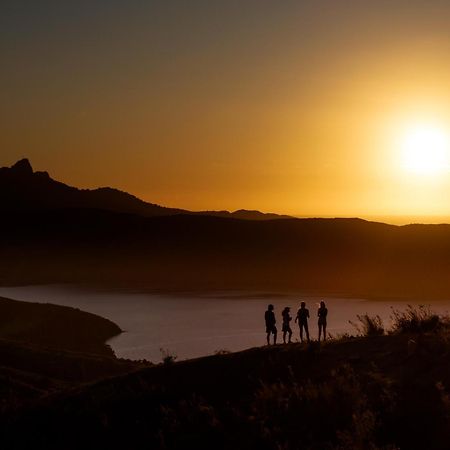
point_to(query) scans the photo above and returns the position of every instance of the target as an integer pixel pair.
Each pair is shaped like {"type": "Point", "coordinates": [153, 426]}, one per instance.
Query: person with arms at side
{"type": "Point", "coordinates": [322, 313]}
{"type": "Point", "coordinates": [302, 319]}
{"type": "Point", "coordinates": [270, 324]}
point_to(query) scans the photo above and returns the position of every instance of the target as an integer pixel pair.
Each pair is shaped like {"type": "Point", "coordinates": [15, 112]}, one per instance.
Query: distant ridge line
{"type": "Point", "coordinates": [23, 189]}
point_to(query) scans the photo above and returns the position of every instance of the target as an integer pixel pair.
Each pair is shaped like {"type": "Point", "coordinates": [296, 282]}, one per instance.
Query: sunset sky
{"type": "Point", "coordinates": [314, 107]}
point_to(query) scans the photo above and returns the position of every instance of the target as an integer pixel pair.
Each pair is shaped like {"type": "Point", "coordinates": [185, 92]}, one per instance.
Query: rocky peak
{"type": "Point", "coordinates": [22, 167]}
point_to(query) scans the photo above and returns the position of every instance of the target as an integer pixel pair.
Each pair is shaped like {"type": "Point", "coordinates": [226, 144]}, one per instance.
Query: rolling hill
{"type": "Point", "coordinates": [22, 189]}
{"type": "Point", "coordinates": [47, 348]}
{"type": "Point", "coordinates": [55, 233]}
{"type": "Point", "coordinates": [366, 393]}
{"type": "Point", "coordinates": [325, 256]}
{"type": "Point", "coordinates": [55, 327]}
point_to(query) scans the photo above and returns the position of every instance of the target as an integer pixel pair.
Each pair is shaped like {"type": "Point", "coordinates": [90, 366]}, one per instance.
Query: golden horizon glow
{"type": "Point", "coordinates": [333, 108]}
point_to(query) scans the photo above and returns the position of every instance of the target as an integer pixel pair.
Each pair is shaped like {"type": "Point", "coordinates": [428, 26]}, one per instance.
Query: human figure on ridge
{"type": "Point", "coordinates": [302, 319]}
{"type": "Point", "coordinates": [322, 313]}
{"type": "Point", "coordinates": [270, 324]}
{"type": "Point", "coordinates": [286, 325]}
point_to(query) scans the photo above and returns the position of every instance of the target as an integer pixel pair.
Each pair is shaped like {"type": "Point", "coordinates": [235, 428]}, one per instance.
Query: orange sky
{"type": "Point", "coordinates": [292, 107]}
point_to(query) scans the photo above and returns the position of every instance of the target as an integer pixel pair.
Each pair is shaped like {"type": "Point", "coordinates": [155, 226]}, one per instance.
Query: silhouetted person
{"type": "Point", "coordinates": [302, 319]}
{"type": "Point", "coordinates": [286, 325]}
{"type": "Point", "coordinates": [322, 313]}
{"type": "Point", "coordinates": [270, 324]}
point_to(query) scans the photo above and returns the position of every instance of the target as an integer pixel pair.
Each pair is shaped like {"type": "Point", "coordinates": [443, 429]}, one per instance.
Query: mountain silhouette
{"type": "Point", "coordinates": [54, 233]}
{"type": "Point", "coordinates": [22, 189]}
{"type": "Point", "coordinates": [190, 252]}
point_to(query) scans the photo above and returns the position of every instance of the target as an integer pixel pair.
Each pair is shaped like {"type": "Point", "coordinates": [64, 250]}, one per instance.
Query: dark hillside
{"type": "Point", "coordinates": [51, 232]}
{"type": "Point", "coordinates": [47, 348]}
{"type": "Point", "coordinates": [56, 327]}
{"type": "Point", "coordinates": [29, 372]}
{"type": "Point", "coordinates": [383, 392]}
{"type": "Point", "coordinates": [22, 189]}
{"type": "Point", "coordinates": [334, 256]}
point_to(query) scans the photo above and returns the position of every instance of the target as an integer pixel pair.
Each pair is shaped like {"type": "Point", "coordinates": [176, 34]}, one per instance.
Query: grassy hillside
{"type": "Point", "coordinates": [376, 392]}
{"type": "Point", "coordinates": [47, 348]}
{"type": "Point", "coordinates": [29, 372]}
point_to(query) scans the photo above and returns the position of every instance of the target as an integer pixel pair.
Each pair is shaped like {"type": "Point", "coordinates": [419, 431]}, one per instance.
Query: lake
{"type": "Point", "coordinates": [191, 325]}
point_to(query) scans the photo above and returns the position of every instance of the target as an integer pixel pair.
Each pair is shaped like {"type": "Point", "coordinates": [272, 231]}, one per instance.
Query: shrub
{"type": "Point", "coordinates": [189, 423]}
{"type": "Point", "coordinates": [417, 319]}
{"type": "Point", "coordinates": [335, 413]}
{"type": "Point", "coordinates": [222, 351]}
{"type": "Point", "coordinates": [168, 358]}
{"type": "Point", "coordinates": [369, 326]}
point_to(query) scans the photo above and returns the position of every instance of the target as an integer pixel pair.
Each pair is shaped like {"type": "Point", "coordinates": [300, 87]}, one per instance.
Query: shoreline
{"type": "Point", "coordinates": [233, 293]}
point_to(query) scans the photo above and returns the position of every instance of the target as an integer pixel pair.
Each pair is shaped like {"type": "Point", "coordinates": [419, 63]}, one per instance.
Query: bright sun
{"type": "Point", "coordinates": [425, 150]}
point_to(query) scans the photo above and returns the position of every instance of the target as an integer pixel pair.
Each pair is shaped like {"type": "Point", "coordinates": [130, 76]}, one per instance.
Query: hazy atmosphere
{"type": "Point", "coordinates": [225, 224]}
{"type": "Point", "coordinates": [295, 107]}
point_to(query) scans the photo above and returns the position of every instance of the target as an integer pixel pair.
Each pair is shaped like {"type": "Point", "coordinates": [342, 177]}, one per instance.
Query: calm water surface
{"type": "Point", "coordinates": [196, 325]}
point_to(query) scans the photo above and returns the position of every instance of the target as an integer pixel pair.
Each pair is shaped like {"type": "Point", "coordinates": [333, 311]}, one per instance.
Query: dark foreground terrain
{"type": "Point", "coordinates": [47, 348]}
{"type": "Point", "coordinates": [371, 392]}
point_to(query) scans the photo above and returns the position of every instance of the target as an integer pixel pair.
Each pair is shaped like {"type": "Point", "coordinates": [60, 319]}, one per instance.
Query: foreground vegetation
{"type": "Point", "coordinates": [47, 348]}
{"type": "Point", "coordinates": [378, 391]}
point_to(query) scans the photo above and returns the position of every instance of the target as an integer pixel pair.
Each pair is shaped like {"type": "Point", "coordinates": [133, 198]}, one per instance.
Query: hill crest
{"type": "Point", "coordinates": [23, 189]}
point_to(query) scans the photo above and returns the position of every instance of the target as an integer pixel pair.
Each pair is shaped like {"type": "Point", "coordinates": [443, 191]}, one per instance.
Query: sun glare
{"type": "Point", "coordinates": [425, 150]}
